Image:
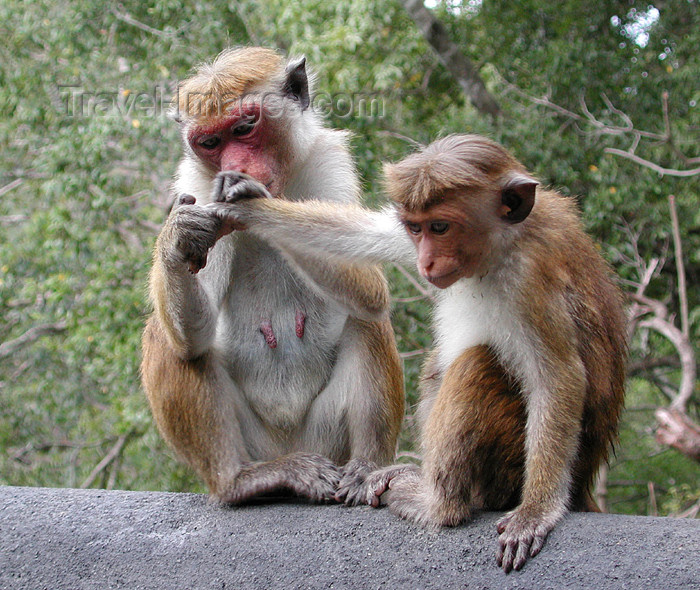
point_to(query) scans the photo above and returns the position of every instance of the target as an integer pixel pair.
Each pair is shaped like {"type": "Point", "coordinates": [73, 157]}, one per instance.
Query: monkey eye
{"type": "Point", "coordinates": [413, 228]}
{"type": "Point", "coordinates": [244, 127]}
{"type": "Point", "coordinates": [439, 227]}
{"type": "Point", "coordinates": [209, 142]}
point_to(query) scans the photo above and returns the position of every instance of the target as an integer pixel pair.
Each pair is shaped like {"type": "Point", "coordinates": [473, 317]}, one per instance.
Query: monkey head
{"type": "Point", "coordinates": [243, 112]}
{"type": "Point", "coordinates": [460, 200]}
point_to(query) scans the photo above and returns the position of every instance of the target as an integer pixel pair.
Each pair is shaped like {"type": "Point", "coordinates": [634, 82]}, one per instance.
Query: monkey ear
{"type": "Point", "coordinates": [517, 198]}
{"type": "Point", "coordinates": [296, 83]}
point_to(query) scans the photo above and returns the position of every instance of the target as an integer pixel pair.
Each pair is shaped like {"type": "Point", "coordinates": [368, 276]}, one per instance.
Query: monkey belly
{"type": "Point", "coordinates": [278, 341]}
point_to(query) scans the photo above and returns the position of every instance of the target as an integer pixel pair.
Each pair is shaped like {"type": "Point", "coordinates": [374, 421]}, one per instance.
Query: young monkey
{"type": "Point", "coordinates": [521, 396]}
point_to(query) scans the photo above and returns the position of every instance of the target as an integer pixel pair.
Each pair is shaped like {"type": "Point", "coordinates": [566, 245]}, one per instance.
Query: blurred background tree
{"type": "Point", "coordinates": [598, 98]}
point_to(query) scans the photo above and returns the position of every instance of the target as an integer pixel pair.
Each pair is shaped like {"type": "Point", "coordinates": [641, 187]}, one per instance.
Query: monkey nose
{"type": "Point", "coordinates": [424, 267]}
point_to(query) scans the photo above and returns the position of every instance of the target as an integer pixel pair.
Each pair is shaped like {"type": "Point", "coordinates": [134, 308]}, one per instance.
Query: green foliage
{"type": "Point", "coordinates": [87, 144]}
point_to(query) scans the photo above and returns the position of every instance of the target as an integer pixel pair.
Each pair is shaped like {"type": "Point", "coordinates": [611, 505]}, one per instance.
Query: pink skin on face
{"type": "Point", "coordinates": [448, 247]}
{"type": "Point", "coordinates": [244, 142]}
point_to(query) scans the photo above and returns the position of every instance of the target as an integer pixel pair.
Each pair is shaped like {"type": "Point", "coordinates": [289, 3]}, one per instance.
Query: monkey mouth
{"type": "Point", "coordinates": [443, 281]}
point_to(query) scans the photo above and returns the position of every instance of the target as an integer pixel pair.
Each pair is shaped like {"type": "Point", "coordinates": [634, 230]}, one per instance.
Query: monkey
{"type": "Point", "coordinates": [265, 370]}
{"type": "Point", "coordinates": [521, 396]}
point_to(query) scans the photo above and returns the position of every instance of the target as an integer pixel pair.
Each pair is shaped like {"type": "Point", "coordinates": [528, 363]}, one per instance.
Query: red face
{"type": "Point", "coordinates": [450, 246]}
{"type": "Point", "coordinates": [244, 141]}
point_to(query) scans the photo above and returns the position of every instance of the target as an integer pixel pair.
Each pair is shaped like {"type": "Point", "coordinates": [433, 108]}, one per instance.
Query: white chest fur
{"type": "Point", "coordinates": [472, 312]}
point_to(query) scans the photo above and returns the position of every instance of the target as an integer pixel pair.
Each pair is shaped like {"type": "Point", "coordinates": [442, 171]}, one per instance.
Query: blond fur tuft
{"type": "Point", "coordinates": [234, 72]}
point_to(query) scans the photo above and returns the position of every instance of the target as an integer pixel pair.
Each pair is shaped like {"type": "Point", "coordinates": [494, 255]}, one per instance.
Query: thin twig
{"type": "Point", "coordinates": [652, 165]}
{"type": "Point", "coordinates": [654, 511]}
{"type": "Point", "coordinates": [412, 353]}
{"type": "Point", "coordinates": [664, 110]}
{"type": "Point", "coordinates": [413, 142]}
{"type": "Point", "coordinates": [127, 18]}
{"type": "Point", "coordinates": [691, 512]}
{"type": "Point", "coordinates": [32, 335]}
{"type": "Point", "coordinates": [113, 453]}
{"type": "Point", "coordinates": [12, 219]}
{"type": "Point", "coordinates": [408, 299]}
{"type": "Point", "coordinates": [680, 268]}
{"type": "Point", "coordinates": [8, 187]}
{"type": "Point", "coordinates": [601, 487]}
{"type": "Point", "coordinates": [411, 279]}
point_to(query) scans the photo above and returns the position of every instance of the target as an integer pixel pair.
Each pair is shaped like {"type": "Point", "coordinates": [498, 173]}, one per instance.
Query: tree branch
{"type": "Point", "coordinates": [8, 187]}
{"type": "Point", "coordinates": [678, 249]}
{"type": "Point", "coordinates": [411, 279]}
{"type": "Point", "coordinates": [32, 335]}
{"type": "Point", "coordinates": [601, 128]}
{"type": "Point", "coordinates": [678, 431]}
{"type": "Point", "coordinates": [686, 354]}
{"type": "Point", "coordinates": [112, 455]}
{"type": "Point", "coordinates": [652, 165]}
{"type": "Point", "coordinates": [412, 353]}
{"type": "Point", "coordinates": [127, 18]}
{"type": "Point", "coordinates": [451, 57]}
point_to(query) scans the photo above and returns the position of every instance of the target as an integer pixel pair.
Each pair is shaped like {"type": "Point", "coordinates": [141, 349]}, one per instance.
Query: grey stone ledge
{"type": "Point", "coordinates": [94, 539]}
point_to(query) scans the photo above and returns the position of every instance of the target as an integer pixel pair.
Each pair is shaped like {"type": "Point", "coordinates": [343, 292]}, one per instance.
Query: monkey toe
{"type": "Point", "coordinates": [351, 489]}
{"type": "Point", "coordinates": [314, 477]}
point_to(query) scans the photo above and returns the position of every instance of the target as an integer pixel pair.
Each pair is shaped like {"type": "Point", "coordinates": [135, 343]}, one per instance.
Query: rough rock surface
{"type": "Point", "coordinates": [92, 539]}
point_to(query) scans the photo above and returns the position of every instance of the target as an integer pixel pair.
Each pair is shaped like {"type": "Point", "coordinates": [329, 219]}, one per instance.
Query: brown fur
{"type": "Point", "coordinates": [565, 259]}
{"type": "Point", "coordinates": [420, 180]}
{"type": "Point", "coordinates": [474, 439]}
{"type": "Point", "coordinates": [560, 288]}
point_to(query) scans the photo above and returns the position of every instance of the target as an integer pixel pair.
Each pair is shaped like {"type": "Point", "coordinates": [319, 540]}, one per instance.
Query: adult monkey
{"type": "Point", "coordinates": [522, 395]}
{"type": "Point", "coordinates": [264, 369]}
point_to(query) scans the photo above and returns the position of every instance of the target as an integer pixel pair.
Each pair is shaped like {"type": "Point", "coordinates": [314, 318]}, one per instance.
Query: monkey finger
{"type": "Point", "coordinates": [521, 554]}
{"type": "Point", "coordinates": [504, 558]}
{"type": "Point", "coordinates": [507, 554]}
{"type": "Point", "coordinates": [233, 186]}
{"type": "Point", "coordinates": [500, 555]}
{"type": "Point", "coordinates": [229, 218]}
{"type": "Point", "coordinates": [537, 544]}
{"type": "Point", "coordinates": [351, 495]}
{"type": "Point", "coordinates": [502, 524]}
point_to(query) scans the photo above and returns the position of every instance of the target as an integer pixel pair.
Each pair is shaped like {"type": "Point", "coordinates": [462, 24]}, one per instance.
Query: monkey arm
{"type": "Point", "coordinates": [321, 230]}
{"type": "Point", "coordinates": [185, 300]}
{"type": "Point", "coordinates": [553, 382]}
{"type": "Point", "coordinates": [332, 246]}
{"type": "Point", "coordinates": [362, 290]}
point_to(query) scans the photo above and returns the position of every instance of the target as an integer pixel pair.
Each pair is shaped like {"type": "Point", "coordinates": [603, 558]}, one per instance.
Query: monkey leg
{"type": "Point", "coordinates": [365, 395]}
{"type": "Point", "coordinates": [473, 443]}
{"type": "Point", "coordinates": [198, 410]}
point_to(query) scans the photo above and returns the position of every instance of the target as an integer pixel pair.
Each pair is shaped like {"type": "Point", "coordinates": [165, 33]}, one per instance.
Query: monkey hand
{"type": "Point", "coordinates": [190, 232]}
{"type": "Point", "coordinates": [363, 483]}
{"type": "Point", "coordinates": [522, 535]}
{"type": "Point", "coordinates": [231, 186]}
